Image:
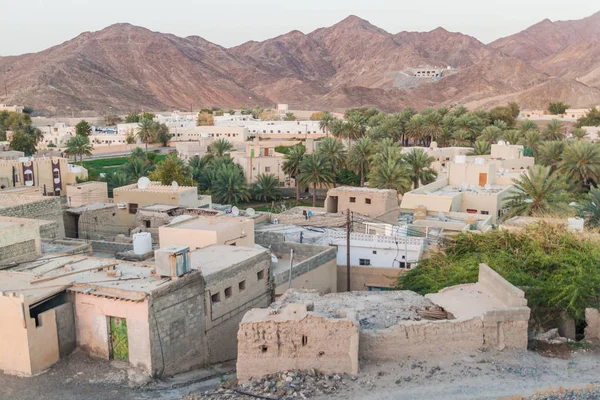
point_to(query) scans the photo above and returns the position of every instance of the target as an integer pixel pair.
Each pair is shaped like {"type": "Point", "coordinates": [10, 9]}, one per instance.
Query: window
{"type": "Point", "coordinates": [242, 285]}
{"type": "Point", "coordinates": [228, 292]}
{"type": "Point", "coordinates": [352, 199]}
{"type": "Point", "coordinates": [215, 298]}
{"type": "Point", "coordinates": [260, 275]}
{"type": "Point", "coordinates": [485, 212]}
{"type": "Point", "coordinates": [147, 224]}
{"type": "Point", "coordinates": [367, 201]}
{"type": "Point", "coordinates": [364, 261]}
{"type": "Point", "coordinates": [233, 244]}
{"type": "Point", "coordinates": [374, 251]}
{"type": "Point", "coordinates": [133, 208]}
{"type": "Point", "coordinates": [267, 169]}
{"type": "Point", "coordinates": [471, 211]}
{"type": "Point", "coordinates": [56, 173]}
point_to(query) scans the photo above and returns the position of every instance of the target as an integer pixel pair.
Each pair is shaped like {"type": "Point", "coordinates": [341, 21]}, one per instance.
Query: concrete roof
{"type": "Point", "coordinates": [134, 283]}
{"type": "Point", "coordinates": [466, 301]}
{"type": "Point", "coordinates": [208, 223]}
{"type": "Point", "coordinates": [159, 207]}
{"type": "Point", "coordinates": [360, 189]}
{"type": "Point", "coordinates": [154, 187]}
{"type": "Point", "coordinates": [216, 258]}
{"type": "Point", "coordinates": [90, 207]}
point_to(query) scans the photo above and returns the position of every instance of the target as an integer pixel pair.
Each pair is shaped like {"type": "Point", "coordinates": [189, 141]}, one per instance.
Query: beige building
{"type": "Point", "coordinates": [5, 107]}
{"type": "Point", "coordinates": [19, 240]}
{"type": "Point", "coordinates": [93, 221]}
{"type": "Point", "coordinates": [82, 194]}
{"type": "Point", "coordinates": [199, 232]}
{"type": "Point", "coordinates": [377, 203]}
{"type": "Point", "coordinates": [52, 175]}
{"type": "Point", "coordinates": [262, 159]}
{"type": "Point", "coordinates": [304, 329]}
{"type": "Point", "coordinates": [475, 188]}
{"type": "Point", "coordinates": [11, 155]}
{"type": "Point", "coordinates": [507, 157]}
{"type": "Point", "coordinates": [131, 197]}
{"type": "Point", "coordinates": [442, 155]}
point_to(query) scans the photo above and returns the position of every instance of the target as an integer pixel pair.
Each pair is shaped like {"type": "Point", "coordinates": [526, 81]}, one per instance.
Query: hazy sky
{"type": "Point", "coordinates": [37, 24]}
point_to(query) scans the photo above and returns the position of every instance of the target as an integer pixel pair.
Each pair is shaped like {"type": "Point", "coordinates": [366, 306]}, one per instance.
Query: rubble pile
{"type": "Point", "coordinates": [284, 385]}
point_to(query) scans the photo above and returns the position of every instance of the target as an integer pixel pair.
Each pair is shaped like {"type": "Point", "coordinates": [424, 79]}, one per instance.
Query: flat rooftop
{"type": "Point", "coordinates": [208, 223]}
{"type": "Point", "coordinates": [216, 258]}
{"type": "Point", "coordinates": [11, 200]}
{"type": "Point", "coordinates": [159, 207]}
{"type": "Point", "coordinates": [454, 190]}
{"type": "Point", "coordinates": [376, 310]}
{"type": "Point", "coordinates": [360, 189]}
{"type": "Point", "coordinates": [466, 301]}
{"type": "Point", "coordinates": [90, 207]}
{"type": "Point", "coordinates": [80, 274]}
{"type": "Point", "coordinates": [155, 187]}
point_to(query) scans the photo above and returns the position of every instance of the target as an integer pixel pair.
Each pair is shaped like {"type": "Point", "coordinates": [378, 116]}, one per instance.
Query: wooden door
{"type": "Point", "coordinates": [482, 179]}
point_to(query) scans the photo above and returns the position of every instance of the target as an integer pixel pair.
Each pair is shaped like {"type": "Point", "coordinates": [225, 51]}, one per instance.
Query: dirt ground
{"type": "Point", "coordinates": [480, 375]}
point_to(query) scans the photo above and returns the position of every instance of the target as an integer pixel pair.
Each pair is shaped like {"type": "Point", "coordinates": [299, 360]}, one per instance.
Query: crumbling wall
{"type": "Point", "coordinates": [363, 277]}
{"type": "Point", "coordinates": [101, 224]}
{"type": "Point", "coordinates": [46, 208]}
{"type": "Point", "coordinates": [500, 288]}
{"type": "Point", "coordinates": [50, 230]}
{"type": "Point", "coordinates": [592, 320]}
{"type": "Point", "coordinates": [296, 339]}
{"type": "Point", "coordinates": [177, 331]}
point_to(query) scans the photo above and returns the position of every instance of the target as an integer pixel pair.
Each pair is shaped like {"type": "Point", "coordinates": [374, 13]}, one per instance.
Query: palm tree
{"type": "Point", "coordinates": [219, 148]}
{"type": "Point", "coordinates": [266, 188]}
{"type": "Point", "coordinates": [461, 137]}
{"type": "Point", "coordinates": [528, 125]}
{"type": "Point", "coordinates": [470, 123]}
{"type": "Point", "coordinates": [416, 128]}
{"type": "Point", "coordinates": [491, 134]}
{"type": "Point", "coordinates": [229, 186]}
{"type": "Point", "coordinates": [333, 151]}
{"type": "Point", "coordinates": [530, 140]}
{"type": "Point", "coordinates": [138, 152]}
{"type": "Point", "coordinates": [79, 146]}
{"type": "Point", "coordinates": [359, 156]}
{"type": "Point", "coordinates": [481, 148]}
{"type": "Point", "coordinates": [136, 168]}
{"type": "Point", "coordinates": [338, 128]}
{"type": "Point", "coordinates": [511, 136]}
{"type": "Point", "coordinates": [589, 208]}
{"type": "Point", "coordinates": [433, 128]}
{"type": "Point", "coordinates": [291, 165]}
{"type": "Point", "coordinates": [554, 131]}
{"type": "Point", "coordinates": [549, 154]}
{"type": "Point", "coordinates": [579, 134]}
{"type": "Point", "coordinates": [146, 131]}
{"type": "Point", "coordinates": [419, 165]}
{"type": "Point", "coordinates": [538, 193]}
{"type": "Point", "coordinates": [325, 122]}
{"type": "Point", "coordinates": [315, 170]}
{"type": "Point", "coordinates": [581, 162]}
{"type": "Point", "coordinates": [390, 175]}
{"type": "Point", "coordinates": [115, 180]}
{"type": "Point", "coordinates": [501, 125]}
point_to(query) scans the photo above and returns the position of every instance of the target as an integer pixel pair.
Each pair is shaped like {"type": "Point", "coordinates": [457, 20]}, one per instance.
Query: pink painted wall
{"type": "Point", "coordinates": [91, 320]}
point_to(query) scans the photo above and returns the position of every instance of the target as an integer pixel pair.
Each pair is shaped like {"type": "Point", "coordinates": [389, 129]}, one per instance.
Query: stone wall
{"type": "Point", "coordinates": [46, 208]}
{"type": "Point", "coordinates": [500, 288]}
{"type": "Point", "coordinates": [309, 341]}
{"type": "Point", "coordinates": [50, 230]}
{"type": "Point", "coordinates": [102, 246]}
{"type": "Point", "coordinates": [592, 319]}
{"type": "Point", "coordinates": [363, 277]}
{"type": "Point", "coordinates": [177, 330]}
{"type": "Point", "coordinates": [16, 252]}
{"type": "Point", "coordinates": [101, 224]}
{"type": "Point", "coordinates": [65, 326]}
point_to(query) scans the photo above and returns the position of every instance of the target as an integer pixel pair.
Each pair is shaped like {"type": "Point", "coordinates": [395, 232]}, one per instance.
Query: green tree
{"type": "Point", "coordinates": [147, 115]}
{"type": "Point", "coordinates": [112, 119]}
{"type": "Point", "coordinates": [481, 148]}
{"type": "Point", "coordinates": [506, 114]}
{"type": "Point", "coordinates": [549, 154]}
{"type": "Point", "coordinates": [416, 129]}
{"type": "Point", "coordinates": [115, 180]}
{"type": "Point", "coordinates": [132, 118]}
{"type": "Point", "coordinates": [558, 108]}
{"type": "Point", "coordinates": [289, 116]}
{"type": "Point", "coordinates": [79, 146]}
{"type": "Point", "coordinates": [266, 188]}
{"type": "Point", "coordinates": [162, 134]}
{"type": "Point", "coordinates": [317, 116]}
{"type": "Point", "coordinates": [589, 208]}
{"type": "Point", "coordinates": [23, 142]}
{"type": "Point", "coordinates": [555, 130]}
{"type": "Point", "coordinates": [591, 118]}
{"type": "Point", "coordinates": [581, 163]}
{"type": "Point", "coordinates": [219, 148]}
{"type": "Point", "coordinates": [419, 166]}
{"type": "Point", "coordinates": [359, 157]}
{"type": "Point", "coordinates": [83, 128]}
{"type": "Point", "coordinates": [205, 119]}
{"type": "Point", "coordinates": [291, 165]}
{"type": "Point", "coordinates": [512, 136]}
{"type": "Point", "coordinates": [333, 152]}
{"type": "Point", "coordinates": [325, 122]}
{"type": "Point", "coordinates": [390, 174]}
{"type": "Point", "coordinates": [229, 185]}
{"type": "Point", "coordinates": [461, 138]}
{"type": "Point", "coordinates": [528, 125]}
{"type": "Point", "coordinates": [531, 140]}
{"type": "Point", "coordinates": [136, 168]}
{"type": "Point", "coordinates": [315, 170]}
{"type": "Point", "coordinates": [171, 169]}
{"type": "Point", "coordinates": [490, 134]}
{"type": "Point", "coordinates": [579, 134]}
{"type": "Point", "coordinates": [538, 193]}
{"type": "Point", "coordinates": [146, 131]}
{"type": "Point", "coordinates": [138, 152]}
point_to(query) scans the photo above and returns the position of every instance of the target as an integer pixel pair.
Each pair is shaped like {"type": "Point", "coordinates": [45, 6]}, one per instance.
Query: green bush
{"type": "Point", "coordinates": [559, 270]}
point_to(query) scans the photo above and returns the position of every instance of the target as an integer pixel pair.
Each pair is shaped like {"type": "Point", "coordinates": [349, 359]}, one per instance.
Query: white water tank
{"type": "Point", "coordinates": [460, 159]}
{"type": "Point", "coordinates": [142, 243]}
{"type": "Point", "coordinates": [479, 161]}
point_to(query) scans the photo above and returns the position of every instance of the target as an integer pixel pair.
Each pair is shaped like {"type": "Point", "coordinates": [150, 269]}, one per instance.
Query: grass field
{"type": "Point", "coordinates": [110, 165]}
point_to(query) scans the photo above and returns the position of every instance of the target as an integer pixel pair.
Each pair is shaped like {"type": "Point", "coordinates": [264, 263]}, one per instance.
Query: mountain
{"type": "Point", "coordinates": [352, 63]}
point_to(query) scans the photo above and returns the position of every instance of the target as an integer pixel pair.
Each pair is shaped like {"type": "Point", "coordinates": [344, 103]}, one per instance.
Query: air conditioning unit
{"type": "Point", "coordinates": [172, 261]}
{"type": "Point", "coordinates": [122, 206]}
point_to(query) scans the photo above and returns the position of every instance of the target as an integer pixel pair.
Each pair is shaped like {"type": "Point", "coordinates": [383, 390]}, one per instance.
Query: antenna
{"type": "Point", "coordinates": [235, 211]}
{"type": "Point", "coordinates": [174, 185]}
{"type": "Point", "coordinates": [250, 212]}
{"type": "Point", "coordinates": [143, 183]}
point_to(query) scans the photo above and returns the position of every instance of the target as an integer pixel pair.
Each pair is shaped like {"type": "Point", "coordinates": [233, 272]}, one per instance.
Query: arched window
{"type": "Point", "coordinates": [28, 174]}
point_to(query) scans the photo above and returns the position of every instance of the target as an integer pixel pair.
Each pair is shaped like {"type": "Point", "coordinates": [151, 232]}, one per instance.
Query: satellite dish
{"type": "Point", "coordinates": [235, 211]}
{"type": "Point", "coordinates": [174, 185]}
{"type": "Point", "coordinates": [143, 183]}
{"type": "Point", "coordinates": [250, 212]}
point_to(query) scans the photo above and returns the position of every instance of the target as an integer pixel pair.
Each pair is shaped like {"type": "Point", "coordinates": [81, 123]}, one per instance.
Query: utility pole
{"type": "Point", "coordinates": [348, 250]}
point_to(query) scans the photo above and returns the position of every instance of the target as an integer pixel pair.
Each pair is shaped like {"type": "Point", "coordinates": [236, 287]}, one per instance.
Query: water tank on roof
{"type": "Point", "coordinates": [460, 159]}
{"type": "Point", "coordinates": [142, 243]}
{"type": "Point", "coordinates": [479, 161]}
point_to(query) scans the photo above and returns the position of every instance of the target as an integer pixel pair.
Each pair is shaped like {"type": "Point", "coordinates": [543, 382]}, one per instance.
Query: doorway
{"type": "Point", "coordinates": [119, 342]}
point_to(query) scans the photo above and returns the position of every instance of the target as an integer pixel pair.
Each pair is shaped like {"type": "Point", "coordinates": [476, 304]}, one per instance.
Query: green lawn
{"type": "Point", "coordinates": [112, 162]}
